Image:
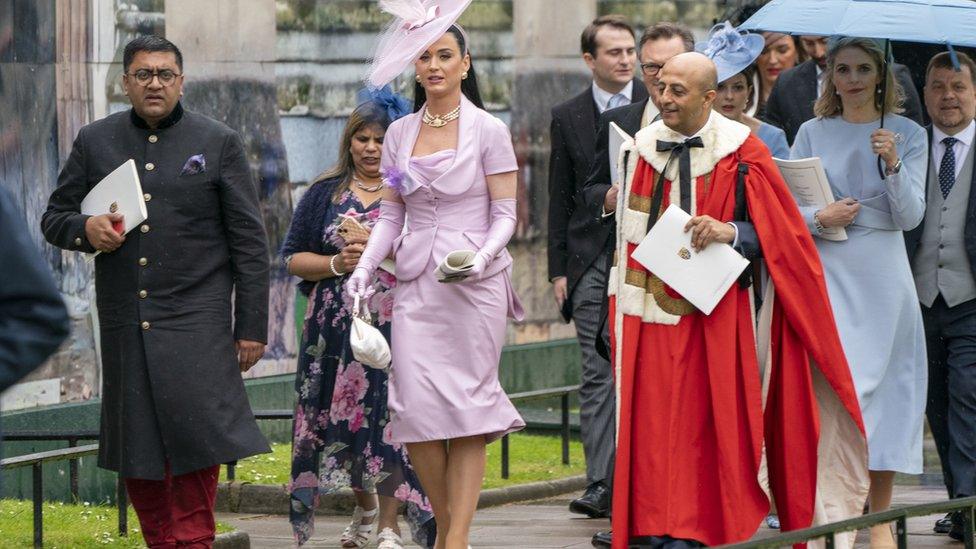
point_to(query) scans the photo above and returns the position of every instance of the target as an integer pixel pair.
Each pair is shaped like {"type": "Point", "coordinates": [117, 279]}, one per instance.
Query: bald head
{"type": "Point", "coordinates": [686, 88]}
{"type": "Point", "coordinates": [697, 68]}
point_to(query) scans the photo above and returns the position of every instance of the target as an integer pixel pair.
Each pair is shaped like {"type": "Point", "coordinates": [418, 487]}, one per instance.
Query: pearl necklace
{"type": "Point", "coordinates": [439, 120]}
{"type": "Point", "coordinates": [373, 189]}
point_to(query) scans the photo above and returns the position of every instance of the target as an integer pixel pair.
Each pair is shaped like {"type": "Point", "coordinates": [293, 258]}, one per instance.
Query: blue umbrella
{"type": "Point", "coordinates": [949, 22]}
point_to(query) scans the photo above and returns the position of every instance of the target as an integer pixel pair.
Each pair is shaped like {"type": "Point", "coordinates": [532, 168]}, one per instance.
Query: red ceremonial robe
{"type": "Point", "coordinates": [691, 426]}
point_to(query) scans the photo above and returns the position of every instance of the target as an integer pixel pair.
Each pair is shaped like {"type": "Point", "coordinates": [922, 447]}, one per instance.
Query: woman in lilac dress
{"type": "Point", "coordinates": [342, 430]}
{"type": "Point", "coordinates": [452, 174]}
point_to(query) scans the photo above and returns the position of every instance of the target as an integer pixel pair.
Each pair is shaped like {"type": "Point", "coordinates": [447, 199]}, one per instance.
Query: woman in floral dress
{"type": "Point", "coordinates": [341, 430]}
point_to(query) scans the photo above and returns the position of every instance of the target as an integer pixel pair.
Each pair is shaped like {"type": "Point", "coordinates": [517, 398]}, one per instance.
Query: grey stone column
{"type": "Point", "coordinates": [548, 71]}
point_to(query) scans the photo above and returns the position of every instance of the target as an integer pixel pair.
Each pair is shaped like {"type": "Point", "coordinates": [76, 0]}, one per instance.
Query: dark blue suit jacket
{"type": "Point", "coordinates": [33, 318]}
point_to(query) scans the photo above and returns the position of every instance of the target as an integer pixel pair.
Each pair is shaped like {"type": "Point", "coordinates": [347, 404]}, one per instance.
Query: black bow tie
{"type": "Point", "coordinates": [681, 149]}
{"type": "Point", "coordinates": [689, 143]}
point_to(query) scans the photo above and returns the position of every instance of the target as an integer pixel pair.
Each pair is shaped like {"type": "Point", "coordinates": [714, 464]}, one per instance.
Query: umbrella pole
{"type": "Point", "coordinates": [885, 70]}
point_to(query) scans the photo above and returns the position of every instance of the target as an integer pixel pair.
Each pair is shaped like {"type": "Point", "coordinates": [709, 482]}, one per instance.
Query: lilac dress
{"type": "Point", "coordinates": [447, 338]}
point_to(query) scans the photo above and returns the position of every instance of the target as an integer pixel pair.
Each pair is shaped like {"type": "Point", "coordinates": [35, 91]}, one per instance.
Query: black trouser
{"type": "Point", "coordinates": [950, 334]}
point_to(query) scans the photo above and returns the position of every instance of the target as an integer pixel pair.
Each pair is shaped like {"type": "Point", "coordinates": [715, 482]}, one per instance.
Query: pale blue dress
{"type": "Point", "coordinates": [775, 140]}
{"type": "Point", "coordinates": [870, 283]}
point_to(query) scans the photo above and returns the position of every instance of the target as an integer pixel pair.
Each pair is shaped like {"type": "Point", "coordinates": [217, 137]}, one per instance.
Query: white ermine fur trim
{"type": "Point", "coordinates": [720, 136]}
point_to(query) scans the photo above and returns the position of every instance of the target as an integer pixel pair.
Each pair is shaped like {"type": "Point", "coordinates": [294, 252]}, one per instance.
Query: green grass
{"type": "Point", "coordinates": [69, 525]}
{"type": "Point", "coordinates": [533, 458]}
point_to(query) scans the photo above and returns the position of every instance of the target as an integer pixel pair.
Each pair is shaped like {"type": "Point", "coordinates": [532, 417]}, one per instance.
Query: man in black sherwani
{"type": "Point", "coordinates": [182, 299]}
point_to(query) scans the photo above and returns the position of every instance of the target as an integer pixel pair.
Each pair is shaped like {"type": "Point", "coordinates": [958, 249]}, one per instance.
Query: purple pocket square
{"type": "Point", "coordinates": [194, 165]}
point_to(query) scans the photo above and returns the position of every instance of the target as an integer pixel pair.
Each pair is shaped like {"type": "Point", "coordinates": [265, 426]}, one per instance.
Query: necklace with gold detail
{"type": "Point", "coordinates": [441, 120]}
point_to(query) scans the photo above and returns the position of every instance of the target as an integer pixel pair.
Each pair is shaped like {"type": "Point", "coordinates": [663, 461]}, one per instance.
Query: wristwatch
{"type": "Point", "coordinates": [894, 169]}
{"type": "Point", "coordinates": [817, 224]}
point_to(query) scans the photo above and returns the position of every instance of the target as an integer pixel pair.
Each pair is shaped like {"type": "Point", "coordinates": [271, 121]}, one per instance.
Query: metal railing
{"type": "Point", "coordinates": [562, 392]}
{"type": "Point", "coordinates": [36, 462]}
{"type": "Point", "coordinates": [899, 516]}
{"type": "Point", "coordinates": [71, 437]}
{"type": "Point", "coordinates": [73, 452]}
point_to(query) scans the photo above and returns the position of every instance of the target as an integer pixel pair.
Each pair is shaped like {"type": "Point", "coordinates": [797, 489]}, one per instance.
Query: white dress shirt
{"type": "Point", "coordinates": [602, 96]}
{"type": "Point", "coordinates": [961, 147]}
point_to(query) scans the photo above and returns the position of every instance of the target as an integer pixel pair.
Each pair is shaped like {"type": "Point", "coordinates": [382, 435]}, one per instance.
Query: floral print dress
{"type": "Point", "coordinates": [341, 430]}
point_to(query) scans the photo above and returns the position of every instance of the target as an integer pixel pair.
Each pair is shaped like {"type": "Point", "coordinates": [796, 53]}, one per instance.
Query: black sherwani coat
{"type": "Point", "coordinates": [172, 389]}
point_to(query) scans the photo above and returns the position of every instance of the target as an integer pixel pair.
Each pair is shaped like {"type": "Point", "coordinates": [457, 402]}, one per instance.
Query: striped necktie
{"type": "Point", "coordinates": [947, 169]}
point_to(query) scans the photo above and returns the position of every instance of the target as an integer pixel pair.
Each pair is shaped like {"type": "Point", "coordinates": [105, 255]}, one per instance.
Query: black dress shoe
{"type": "Point", "coordinates": [958, 530]}
{"type": "Point", "coordinates": [602, 539]}
{"type": "Point", "coordinates": [944, 524]}
{"type": "Point", "coordinates": [594, 503]}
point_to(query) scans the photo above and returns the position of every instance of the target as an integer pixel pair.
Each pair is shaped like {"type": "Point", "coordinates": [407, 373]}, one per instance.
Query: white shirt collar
{"type": "Point", "coordinates": [602, 96]}
{"type": "Point", "coordinates": [965, 137]}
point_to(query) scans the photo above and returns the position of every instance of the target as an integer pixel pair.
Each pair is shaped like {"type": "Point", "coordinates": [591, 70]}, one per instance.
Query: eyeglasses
{"type": "Point", "coordinates": [651, 69]}
{"type": "Point", "coordinates": [144, 77]}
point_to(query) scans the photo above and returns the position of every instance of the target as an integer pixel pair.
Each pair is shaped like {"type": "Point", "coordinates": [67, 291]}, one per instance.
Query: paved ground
{"type": "Point", "coordinates": [548, 524]}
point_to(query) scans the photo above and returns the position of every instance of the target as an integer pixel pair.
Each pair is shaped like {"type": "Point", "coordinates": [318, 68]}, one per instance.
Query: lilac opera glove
{"type": "Point", "coordinates": [499, 233]}
{"type": "Point", "coordinates": [379, 246]}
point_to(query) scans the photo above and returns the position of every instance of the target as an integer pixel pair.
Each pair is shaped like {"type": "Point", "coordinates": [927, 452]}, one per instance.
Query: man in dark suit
{"type": "Point", "coordinates": [577, 240]}
{"type": "Point", "coordinates": [790, 103]}
{"type": "Point", "coordinates": [173, 346]}
{"type": "Point", "coordinates": [943, 254]}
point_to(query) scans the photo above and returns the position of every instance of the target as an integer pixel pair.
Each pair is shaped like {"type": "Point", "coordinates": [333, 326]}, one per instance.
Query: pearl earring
{"type": "Point", "coordinates": [417, 78]}
{"type": "Point", "coordinates": [464, 75]}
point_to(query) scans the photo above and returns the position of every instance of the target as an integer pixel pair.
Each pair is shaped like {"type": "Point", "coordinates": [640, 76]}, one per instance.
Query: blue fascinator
{"type": "Point", "coordinates": [731, 50]}
{"type": "Point", "coordinates": [395, 105]}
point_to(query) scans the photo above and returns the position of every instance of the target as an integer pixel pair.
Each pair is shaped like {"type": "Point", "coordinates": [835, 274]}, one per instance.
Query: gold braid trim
{"type": "Point", "coordinates": [653, 285]}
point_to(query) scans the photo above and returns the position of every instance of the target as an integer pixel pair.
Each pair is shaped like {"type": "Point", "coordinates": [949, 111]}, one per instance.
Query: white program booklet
{"type": "Point", "coordinates": [808, 183]}
{"type": "Point", "coordinates": [702, 277]}
{"type": "Point", "coordinates": [618, 138]}
{"type": "Point", "coordinates": [119, 192]}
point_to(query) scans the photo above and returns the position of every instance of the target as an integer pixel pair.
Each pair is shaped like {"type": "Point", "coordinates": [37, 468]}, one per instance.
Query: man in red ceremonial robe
{"type": "Point", "coordinates": [692, 424]}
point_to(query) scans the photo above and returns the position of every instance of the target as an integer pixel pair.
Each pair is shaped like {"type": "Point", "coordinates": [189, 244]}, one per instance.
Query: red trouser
{"type": "Point", "coordinates": [176, 511]}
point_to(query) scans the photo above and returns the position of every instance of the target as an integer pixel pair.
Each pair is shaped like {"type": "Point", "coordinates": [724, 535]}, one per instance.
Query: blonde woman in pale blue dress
{"type": "Point", "coordinates": [869, 278]}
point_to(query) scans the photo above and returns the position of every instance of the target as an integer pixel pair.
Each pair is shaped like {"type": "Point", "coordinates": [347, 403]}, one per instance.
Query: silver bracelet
{"type": "Point", "coordinates": [332, 267]}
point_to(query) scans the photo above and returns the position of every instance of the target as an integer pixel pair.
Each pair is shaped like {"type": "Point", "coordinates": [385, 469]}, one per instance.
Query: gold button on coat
{"type": "Point", "coordinates": [147, 197]}
{"type": "Point", "coordinates": [153, 139]}
{"type": "Point", "coordinates": [144, 228]}
{"type": "Point", "coordinates": [143, 294]}
{"type": "Point", "coordinates": [145, 325]}
{"type": "Point", "coordinates": [150, 166]}
{"type": "Point", "coordinates": [143, 261]}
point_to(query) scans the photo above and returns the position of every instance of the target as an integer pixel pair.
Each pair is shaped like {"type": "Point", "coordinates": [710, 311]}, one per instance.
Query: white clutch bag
{"type": "Point", "coordinates": [368, 344]}
{"type": "Point", "coordinates": [455, 266]}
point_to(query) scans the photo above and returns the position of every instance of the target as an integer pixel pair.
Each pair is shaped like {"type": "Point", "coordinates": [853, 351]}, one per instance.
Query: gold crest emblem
{"type": "Point", "coordinates": [114, 207]}
{"type": "Point", "coordinates": [683, 253]}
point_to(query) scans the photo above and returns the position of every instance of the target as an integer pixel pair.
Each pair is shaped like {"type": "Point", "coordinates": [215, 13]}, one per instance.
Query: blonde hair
{"type": "Point", "coordinates": [829, 104]}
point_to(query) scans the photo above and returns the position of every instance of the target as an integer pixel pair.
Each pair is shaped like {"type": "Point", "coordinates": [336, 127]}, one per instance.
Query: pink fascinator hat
{"type": "Point", "coordinates": [418, 24]}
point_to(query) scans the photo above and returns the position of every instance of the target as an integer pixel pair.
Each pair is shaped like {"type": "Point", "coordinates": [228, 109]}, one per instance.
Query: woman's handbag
{"type": "Point", "coordinates": [368, 344]}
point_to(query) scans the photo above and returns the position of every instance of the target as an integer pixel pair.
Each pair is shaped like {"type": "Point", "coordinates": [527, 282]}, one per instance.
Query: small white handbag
{"type": "Point", "coordinates": [368, 344]}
